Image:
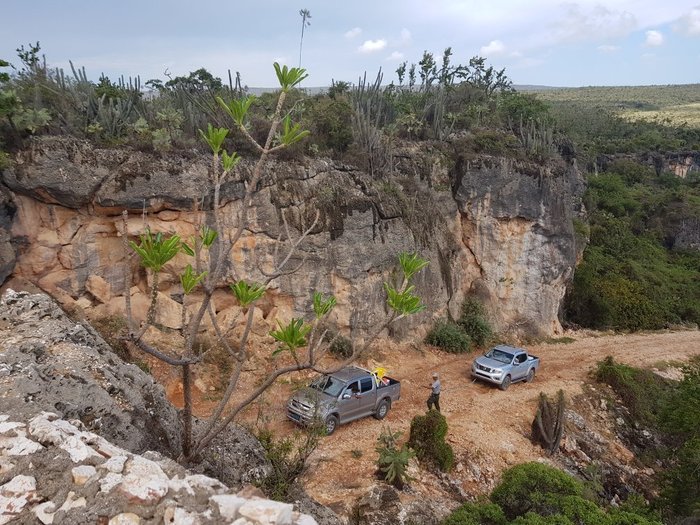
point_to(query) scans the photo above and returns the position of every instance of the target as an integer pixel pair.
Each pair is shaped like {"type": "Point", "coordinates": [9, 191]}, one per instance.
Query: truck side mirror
{"type": "Point", "coordinates": [346, 395]}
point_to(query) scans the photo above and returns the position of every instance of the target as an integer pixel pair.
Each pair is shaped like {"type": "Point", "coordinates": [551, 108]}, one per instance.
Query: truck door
{"type": "Point", "coordinates": [349, 407]}
{"type": "Point", "coordinates": [368, 396]}
{"type": "Point", "coordinates": [519, 369]}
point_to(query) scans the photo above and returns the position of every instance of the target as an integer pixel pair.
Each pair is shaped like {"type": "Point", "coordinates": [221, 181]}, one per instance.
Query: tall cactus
{"type": "Point", "coordinates": [548, 425]}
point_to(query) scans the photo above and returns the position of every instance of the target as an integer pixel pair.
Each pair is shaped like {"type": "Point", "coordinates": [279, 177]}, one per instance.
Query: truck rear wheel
{"type": "Point", "coordinates": [331, 424]}
{"type": "Point", "coordinates": [530, 375]}
{"type": "Point", "coordinates": [505, 384]}
{"type": "Point", "coordinates": [382, 409]}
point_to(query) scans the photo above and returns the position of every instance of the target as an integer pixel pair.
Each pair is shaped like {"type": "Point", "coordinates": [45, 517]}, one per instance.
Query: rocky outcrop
{"type": "Point", "coordinates": [55, 471]}
{"type": "Point", "coordinates": [517, 226]}
{"type": "Point", "coordinates": [382, 506]}
{"type": "Point", "coordinates": [680, 163]}
{"type": "Point", "coordinates": [51, 363]}
{"type": "Point", "coordinates": [7, 250]}
{"type": "Point", "coordinates": [69, 195]}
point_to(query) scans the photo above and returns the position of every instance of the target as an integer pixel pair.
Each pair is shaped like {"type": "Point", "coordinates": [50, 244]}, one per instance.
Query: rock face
{"type": "Point", "coordinates": [503, 234]}
{"type": "Point", "coordinates": [55, 471]}
{"type": "Point", "coordinates": [517, 224]}
{"type": "Point", "coordinates": [7, 251]}
{"type": "Point", "coordinates": [50, 363]}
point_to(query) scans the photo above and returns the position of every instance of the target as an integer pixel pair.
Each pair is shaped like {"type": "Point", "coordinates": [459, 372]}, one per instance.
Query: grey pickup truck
{"type": "Point", "coordinates": [503, 365]}
{"type": "Point", "coordinates": [349, 394]}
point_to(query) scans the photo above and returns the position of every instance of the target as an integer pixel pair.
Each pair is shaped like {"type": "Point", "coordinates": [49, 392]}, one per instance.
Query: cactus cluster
{"type": "Point", "coordinates": [548, 425]}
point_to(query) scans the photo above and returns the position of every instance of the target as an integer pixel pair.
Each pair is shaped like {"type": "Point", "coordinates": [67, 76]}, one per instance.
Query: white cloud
{"type": "Point", "coordinates": [352, 33]}
{"type": "Point", "coordinates": [690, 23]}
{"type": "Point", "coordinates": [494, 48]}
{"type": "Point", "coordinates": [395, 56]}
{"type": "Point", "coordinates": [607, 48]}
{"type": "Point", "coordinates": [599, 22]}
{"type": "Point", "coordinates": [654, 38]}
{"type": "Point", "coordinates": [370, 46]}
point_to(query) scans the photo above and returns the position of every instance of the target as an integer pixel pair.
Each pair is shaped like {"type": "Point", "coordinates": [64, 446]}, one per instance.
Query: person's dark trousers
{"type": "Point", "coordinates": [434, 400]}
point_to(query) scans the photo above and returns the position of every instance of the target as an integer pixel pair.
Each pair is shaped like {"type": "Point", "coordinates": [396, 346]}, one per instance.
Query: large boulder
{"type": "Point", "coordinates": [517, 222]}
{"type": "Point", "coordinates": [51, 363]}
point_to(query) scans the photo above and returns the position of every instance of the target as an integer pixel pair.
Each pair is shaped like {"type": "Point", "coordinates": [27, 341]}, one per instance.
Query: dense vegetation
{"type": "Point", "coordinates": [537, 494]}
{"type": "Point", "coordinates": [641, 268]}
{"type": "Point", "coordinates": [673, 410]}
{"type": "Point", "coordinates": [638, 271]}
{"type": "Point", "coordinates": [431, 100]}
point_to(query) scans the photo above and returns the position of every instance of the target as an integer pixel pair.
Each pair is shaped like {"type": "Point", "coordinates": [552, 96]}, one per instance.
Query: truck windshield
{"type": "Point", "coordinates": [328, 385]}
{"type": "Point", "coordinates": [499, 355]}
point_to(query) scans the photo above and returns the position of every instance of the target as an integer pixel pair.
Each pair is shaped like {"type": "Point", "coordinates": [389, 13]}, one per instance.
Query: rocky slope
{"type": "Point", "coordinates": [55, 471]}
{"type": "Point", "coordinates": [502, 221]}
{"type": "Point", "coordinates": [49, 363]}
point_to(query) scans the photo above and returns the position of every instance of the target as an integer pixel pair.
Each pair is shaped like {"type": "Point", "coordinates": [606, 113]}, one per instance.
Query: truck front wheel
{"type": "Point", "coordinates": [505, 384]}
{"type": "Point", "coordinates": [331, 424]}
{"type": "Point", "coordinates": [382, 409]}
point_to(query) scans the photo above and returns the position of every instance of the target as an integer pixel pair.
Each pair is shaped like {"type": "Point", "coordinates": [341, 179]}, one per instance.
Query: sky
{"type": "Point", "coordinates": [542, 42]}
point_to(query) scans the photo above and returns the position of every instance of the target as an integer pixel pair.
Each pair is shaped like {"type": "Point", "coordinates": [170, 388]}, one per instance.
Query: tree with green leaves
{"type": "Point", "coordinates": [301, 342]}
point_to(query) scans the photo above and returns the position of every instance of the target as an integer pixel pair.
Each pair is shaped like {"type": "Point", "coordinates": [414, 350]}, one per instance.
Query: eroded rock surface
{"type": "Point", "coordinates": [51, 363]}
{"type": "Point", "coordinates": [502, 232]}
{"type": "Point", "coordinates": [55, 471]}
{"type": "Point", "coordinates": [517, 224]}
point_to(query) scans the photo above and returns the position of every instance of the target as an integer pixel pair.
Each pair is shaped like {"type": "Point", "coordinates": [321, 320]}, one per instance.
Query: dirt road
{"type": "Point", "coordinates": [483, 421]}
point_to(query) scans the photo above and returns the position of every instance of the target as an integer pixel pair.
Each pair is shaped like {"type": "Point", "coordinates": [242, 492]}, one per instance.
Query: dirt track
{"type": "Point", "coordinates": [483, 421]}
{"type": "Point", "coordinates": [486, 425]}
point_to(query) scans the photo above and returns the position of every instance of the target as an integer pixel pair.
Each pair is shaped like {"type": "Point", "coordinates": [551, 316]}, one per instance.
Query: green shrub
{"type": "Point", "coordinates": [427, 438]}
{"type": "Point", "coordinates": [474, 322]}
{"type": "Point", "coordinates": [329, 120]}
{"type": "Point", "coordinates": [680, 416]}
{"type": "Point", "coordinates": [393, 461]}
{"type": "Point", "coordinates": [449, 336]}
{"type": "Point", "coordinates": [476, 514]}
{"type": "Point", "coordinates": [537, 494]}
{"type": "Point", "coordinates": [340, 346]}
{"type": "Point", "coordinates": [533, 487]}
{"type": "Point", "coordinates": [288, 458]}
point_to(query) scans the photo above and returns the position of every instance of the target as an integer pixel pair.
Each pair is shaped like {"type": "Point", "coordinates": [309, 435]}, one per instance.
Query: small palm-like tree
{"type": "Point", "coordinates": [305, 15]}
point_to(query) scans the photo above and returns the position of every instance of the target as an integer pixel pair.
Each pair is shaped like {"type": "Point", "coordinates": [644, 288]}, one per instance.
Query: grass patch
{"type": "Point", "coordinates": [559, 340]}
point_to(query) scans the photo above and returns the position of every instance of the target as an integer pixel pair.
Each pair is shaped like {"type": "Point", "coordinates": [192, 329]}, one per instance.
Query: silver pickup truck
{"type": "Point", "coordinates": [349, 394]}
{"type": "Point", "coordinates": [503, 365]}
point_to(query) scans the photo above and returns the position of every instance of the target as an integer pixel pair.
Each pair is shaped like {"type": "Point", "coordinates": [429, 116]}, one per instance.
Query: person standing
{"type": "Point", "coordinates": [434, 399]}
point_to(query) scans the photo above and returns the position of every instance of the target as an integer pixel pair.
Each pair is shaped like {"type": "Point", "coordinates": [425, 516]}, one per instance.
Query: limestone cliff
{"type": "Point", "coordinates": [504, 232]}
